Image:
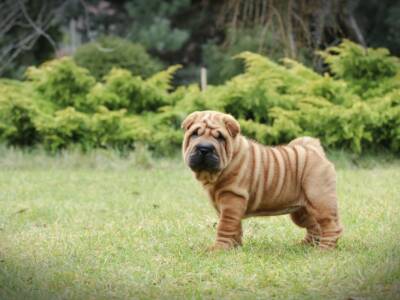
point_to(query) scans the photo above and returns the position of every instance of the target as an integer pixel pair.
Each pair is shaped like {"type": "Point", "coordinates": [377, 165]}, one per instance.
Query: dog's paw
{"type": "Point", "coordinates": [219, 247]}
{"type": "Point", "coordinates": [312, 243]}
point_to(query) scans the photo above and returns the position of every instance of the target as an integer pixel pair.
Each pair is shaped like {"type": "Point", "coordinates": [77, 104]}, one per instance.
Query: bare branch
{"type": "Point", "coordinates": [19, 32]}
{"type": "Point", "coordinates": [357, 32]}
{"type": "Point", "coordinates": [38, 29]}
{"type": "Point", "coordinates": [290, 33]}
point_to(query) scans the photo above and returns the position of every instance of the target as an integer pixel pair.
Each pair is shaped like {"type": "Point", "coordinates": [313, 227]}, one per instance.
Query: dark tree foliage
{"type": "Point", "coordinates": [28, 33]}
{"type": "Point", "coordinates": [195, 32]}
{"type": "Point", "coordinates": [108, 52]}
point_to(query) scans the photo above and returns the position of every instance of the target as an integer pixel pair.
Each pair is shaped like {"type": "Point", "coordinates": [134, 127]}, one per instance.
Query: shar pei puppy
{"type": "Point", "coordinates": [244, 178]}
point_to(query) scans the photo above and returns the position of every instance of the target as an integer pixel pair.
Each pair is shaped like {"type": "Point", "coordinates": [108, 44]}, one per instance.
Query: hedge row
{"type": "Point", "coordinates": [355, 106]}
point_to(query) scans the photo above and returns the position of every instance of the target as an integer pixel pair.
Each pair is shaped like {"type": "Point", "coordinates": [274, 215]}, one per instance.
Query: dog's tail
{"type": "Point", "coordinates": [309, 142]}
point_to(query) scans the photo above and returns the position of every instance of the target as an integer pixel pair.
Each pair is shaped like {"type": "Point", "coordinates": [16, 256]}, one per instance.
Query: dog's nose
{"type": "Point", "coordinates": [205, 148]}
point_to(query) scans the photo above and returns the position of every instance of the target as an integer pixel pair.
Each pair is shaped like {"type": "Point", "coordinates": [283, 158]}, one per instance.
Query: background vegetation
{"type": "Point", "coordinates": [115, 52]}
{"type": "Point", "coordinates": [88, 73]}
{"type": "Point", "coordinates": [355, 106]}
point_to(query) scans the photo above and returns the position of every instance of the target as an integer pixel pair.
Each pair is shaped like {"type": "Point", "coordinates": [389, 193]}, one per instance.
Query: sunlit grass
{"type": "Point", "coordinates": [98, 226]}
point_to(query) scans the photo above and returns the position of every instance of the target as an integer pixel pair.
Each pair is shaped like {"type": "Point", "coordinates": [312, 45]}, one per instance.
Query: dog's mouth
{"type": "Point", "coordinates": [201, 161]}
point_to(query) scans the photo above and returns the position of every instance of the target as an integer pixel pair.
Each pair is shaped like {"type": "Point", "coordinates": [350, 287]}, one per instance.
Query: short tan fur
{"type": "Point", "coordinates": [257, 180]}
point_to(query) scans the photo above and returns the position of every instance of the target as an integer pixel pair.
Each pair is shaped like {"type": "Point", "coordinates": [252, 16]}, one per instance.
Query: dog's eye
{"type": "Point", "coordinates": [195, 133]}
{"type": "Point", "coordinates": [220, 138]}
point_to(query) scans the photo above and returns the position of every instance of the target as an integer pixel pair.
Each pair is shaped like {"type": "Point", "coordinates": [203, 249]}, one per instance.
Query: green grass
{"type": "Point", "coordinates": [99, 226]}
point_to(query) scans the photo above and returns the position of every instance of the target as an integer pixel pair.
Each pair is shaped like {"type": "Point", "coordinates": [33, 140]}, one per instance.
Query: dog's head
{"type": "Point", "coordinates": [209, 140]}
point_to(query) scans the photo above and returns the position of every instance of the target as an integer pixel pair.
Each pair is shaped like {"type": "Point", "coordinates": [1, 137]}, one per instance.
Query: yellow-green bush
{"type": "Point", "coordinates": [369, 72]}
{"type": "Point", "coordinates": [116, 129]}
{"type": "Point", "coordinates": [61, 105]}
{"type": "Point", "coordinates": [18, 114]}
{"type": "Point", "coordinates": [62, 83]}
{"type": "Point", "coordinates": [277, 102]}
{"type": "Point", "coordinates": [63, 128]}
{"type": "Point", "coordinates": [123, 90]}
{"type": "Point", "coordinates": [357, 106]}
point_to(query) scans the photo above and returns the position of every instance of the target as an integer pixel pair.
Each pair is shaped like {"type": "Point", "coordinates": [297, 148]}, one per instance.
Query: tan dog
{"type": "Point", "coordinates": [244, 179]}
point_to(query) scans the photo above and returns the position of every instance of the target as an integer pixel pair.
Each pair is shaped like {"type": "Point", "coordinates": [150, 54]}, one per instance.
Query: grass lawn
{"type": "Point", "coordinates": [103, 227]}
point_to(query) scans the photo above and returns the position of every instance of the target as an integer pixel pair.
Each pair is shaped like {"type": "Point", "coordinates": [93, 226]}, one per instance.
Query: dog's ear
{"type": "Point", "coordinates": [189, 120]}
{"type": "Point", "coordinates": [231, 125]}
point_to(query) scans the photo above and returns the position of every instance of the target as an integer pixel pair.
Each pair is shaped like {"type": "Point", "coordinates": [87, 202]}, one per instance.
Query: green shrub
{"type": "Point", "coordinates": [277, 102]}
{"type": "Point", "coordinates": [103, 129]}
{"type": "Point", "coordinates": [166, 133]}
{"type": "Point", "coordinates": [120, 90]}
{"type": "Point", "coordinates": [64, 129]}
{"type": "Point", "coordinates": [115, 129]}
{"type": "Point", "coordinates": [386, 131]}
{"type": "Point", "coordinates": [62, 83]}
{"type": "Point", "coordinates": [109, 52]}
{"type": "Point", "coordinates": [123, 90]}
{"type": "Point", "coordinates": [62, 106]}
{"type": "Point", "coordinates": [18, 114]}
{"type": "Point", "coordinates": [369, 72]}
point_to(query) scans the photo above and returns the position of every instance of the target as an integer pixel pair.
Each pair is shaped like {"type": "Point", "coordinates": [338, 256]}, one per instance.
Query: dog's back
{"type": "Point", "coordinates": [307, 141]}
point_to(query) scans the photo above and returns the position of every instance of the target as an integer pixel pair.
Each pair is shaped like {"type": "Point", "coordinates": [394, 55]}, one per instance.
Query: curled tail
{"type": "Point", "coordinates": [309, 142]}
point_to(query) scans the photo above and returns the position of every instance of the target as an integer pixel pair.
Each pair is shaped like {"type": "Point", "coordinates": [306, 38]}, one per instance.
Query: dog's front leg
{"type": "Point", "coordinates": [229, 230]}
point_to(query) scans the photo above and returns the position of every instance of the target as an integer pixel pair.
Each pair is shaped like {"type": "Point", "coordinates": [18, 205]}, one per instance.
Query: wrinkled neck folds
{"type": "Point", "coordinates": [235, 160]}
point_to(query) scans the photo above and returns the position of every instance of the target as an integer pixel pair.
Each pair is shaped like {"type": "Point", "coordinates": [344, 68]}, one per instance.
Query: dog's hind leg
{"type": "Point", "coordinates": [321, 202]}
